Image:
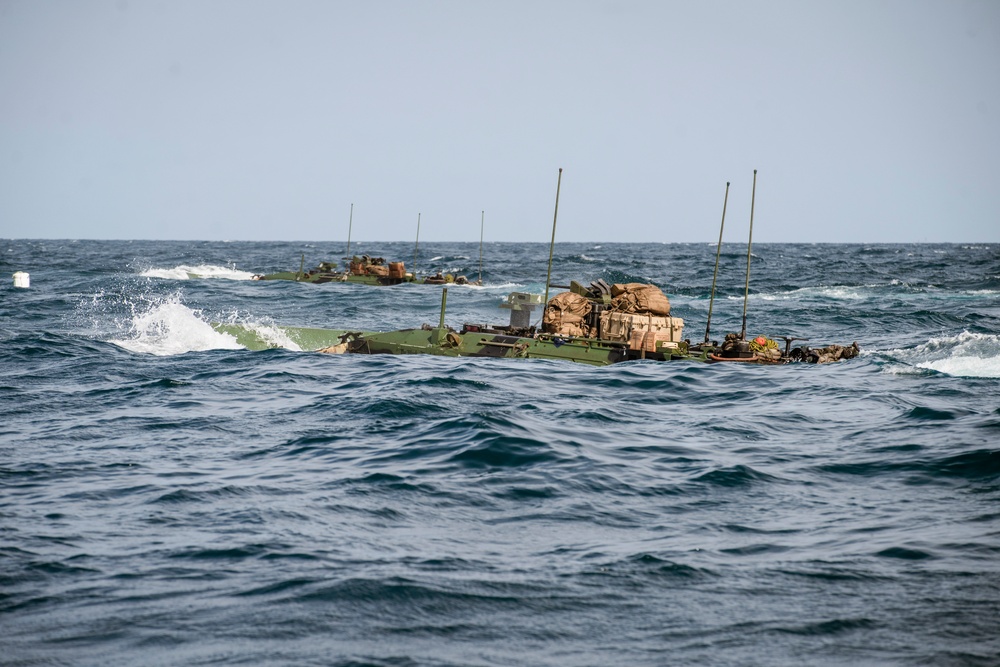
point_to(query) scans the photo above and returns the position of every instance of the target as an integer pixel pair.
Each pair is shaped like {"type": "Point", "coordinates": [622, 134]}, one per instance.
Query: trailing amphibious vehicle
{"type": "Point", "coordinates": [368, 270]}
{"type": "Point", "coordinates": [364, 270]}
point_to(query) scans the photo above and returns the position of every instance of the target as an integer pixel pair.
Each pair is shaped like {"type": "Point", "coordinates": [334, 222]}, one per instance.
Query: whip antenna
{"type": "Point", "coordinates": [415, 245]}
{"type": "Point", "coordinates": [350, 223]}
{"type": "Point", "coordinates": [718, 251]}
{"type": "Point", "coordinates": [746, 289]}
{"type": "Point", "coordinates": [548, 277]}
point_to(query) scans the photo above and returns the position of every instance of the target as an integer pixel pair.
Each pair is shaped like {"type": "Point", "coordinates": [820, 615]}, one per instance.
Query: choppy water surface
{"type": "Point", "coordinates": [167, 498]}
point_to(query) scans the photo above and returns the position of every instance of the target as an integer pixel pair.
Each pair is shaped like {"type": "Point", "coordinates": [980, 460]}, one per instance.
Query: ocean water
{"type": "Point", "coordinates": [168, 498]}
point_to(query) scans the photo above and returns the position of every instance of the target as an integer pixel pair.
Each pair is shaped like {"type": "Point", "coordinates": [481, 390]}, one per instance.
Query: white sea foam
{"type": "Point", "coordinates": [266, 330]}
{"type": "Point", "coordinates": [967, 367]}
{"type": "Point", "coordinates": [275, 336]}
{"type": "Point", "coordinates": [172, 328]}
{"type": "Point", "coordinates": [965, 355]}
{"type": "Point", "coordinates": [838, 292]}
{"type": "Point", "coordinates": [184, 272]}
{"type": "Point", "coordinates": [505, 287]}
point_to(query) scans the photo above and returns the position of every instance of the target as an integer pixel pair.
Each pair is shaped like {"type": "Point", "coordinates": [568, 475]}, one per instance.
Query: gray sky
{"type": "Point", "coordinates": [870, 121]}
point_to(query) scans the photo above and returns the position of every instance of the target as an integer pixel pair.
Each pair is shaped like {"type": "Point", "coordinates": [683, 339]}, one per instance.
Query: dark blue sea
{"type": "Point", "coordinates": [167, 498]}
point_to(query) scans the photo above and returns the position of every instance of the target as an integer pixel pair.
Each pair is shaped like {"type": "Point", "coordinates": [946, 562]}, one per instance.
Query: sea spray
{"type": "Point", "coordinates": [171, 328]}
{"type": "Point", "coordinates": [263, 328]}
{"type": "Point", "coordinates": [185, 272]}
{"type": "Point", "coordinates": [967, 354]}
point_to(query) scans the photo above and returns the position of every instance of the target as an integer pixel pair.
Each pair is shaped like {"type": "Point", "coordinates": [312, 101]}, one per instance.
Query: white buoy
{"type": "Point", "coordinates": [22, 279]}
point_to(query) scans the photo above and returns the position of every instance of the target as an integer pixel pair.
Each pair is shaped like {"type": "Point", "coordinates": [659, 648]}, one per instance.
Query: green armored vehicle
{"type": "Point", "coordinates": [364, 270]}
{"type": "Point", "coordinates": [600, 324]}
{"type": "Point", "coordinates": [597, 325]}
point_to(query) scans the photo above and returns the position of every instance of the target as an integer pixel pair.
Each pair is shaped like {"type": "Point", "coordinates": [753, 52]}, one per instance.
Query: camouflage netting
{"type": "Point", "coordinates": [639, 298]}
{"type": "Point", "coordinates": [565, 315]}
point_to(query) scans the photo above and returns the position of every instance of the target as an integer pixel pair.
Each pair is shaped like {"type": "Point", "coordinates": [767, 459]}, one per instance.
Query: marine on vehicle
{"type": "Point", "coordinates": [599, 324]}
{"type": "Point", "coordinates": [362, 269]}
{"type": "Point", "coordinates": [368, 270]}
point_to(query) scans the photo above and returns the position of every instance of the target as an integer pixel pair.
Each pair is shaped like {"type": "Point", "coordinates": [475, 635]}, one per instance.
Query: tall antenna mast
{"type": "Point", "coordinates": [548, 277]}
{"type": "Point", "coordinates": [350, 223]}
{"type": "Point", "coordinates": [482, 222]}
{"type": "Point", "coordinates": [746, 289]}
{"type": "Point", "coordinates": [416, 244]}
{"type": "Point", "coordinates": [718, 251]}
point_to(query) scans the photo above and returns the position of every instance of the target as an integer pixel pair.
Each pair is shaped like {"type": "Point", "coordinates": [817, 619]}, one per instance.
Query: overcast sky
{"type": "Point", "coordinates": [869, 121]}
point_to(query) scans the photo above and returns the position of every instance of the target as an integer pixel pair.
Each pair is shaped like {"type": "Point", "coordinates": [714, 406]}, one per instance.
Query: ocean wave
{"type": "Point", "coordinates": [502, 286]}
{"type": "Point", "coordinates": [171, 328]}
{"type": "Point", "coordinates": [734, 476]}
{"type": "Point", "coordinates": [184, 272]}
{"type": "Point", "coordinates": [264, 329]}
{"type": "Point", "coordinates": [416, 509]}
{"type": "Point", "coordinates": [505, 287]}
{"type": "Point", "coordinates": [448, 258]}
{"type": "Point", "coordinates": [979, 466]}
{"type": "Point", "coordinates": [839, 292]}
{"type": "Point", "coordinates": [964, 355]}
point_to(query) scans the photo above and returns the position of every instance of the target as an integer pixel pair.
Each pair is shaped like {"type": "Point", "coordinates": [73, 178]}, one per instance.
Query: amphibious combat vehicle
{"type": "Point", "coordinates": [364, 270]}
{"type": "Point", "coordinates": [610, 321]}
{"type": "Point", "coordinates": [599, 324]}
